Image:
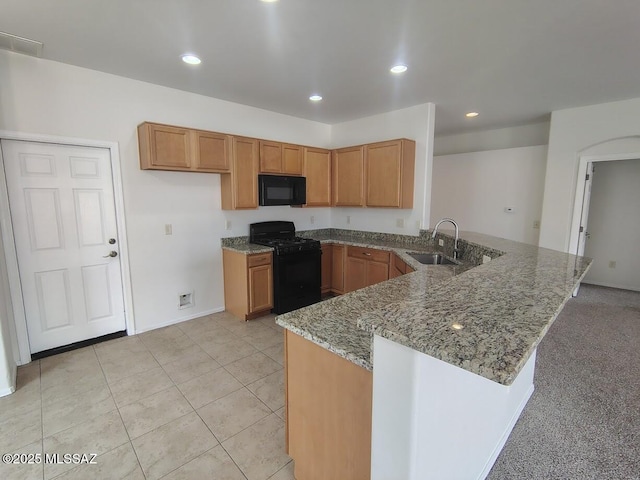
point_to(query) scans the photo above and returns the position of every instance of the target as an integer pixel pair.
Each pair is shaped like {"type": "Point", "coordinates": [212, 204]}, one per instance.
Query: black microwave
{"type": "Point", "coordinates": [282, 190]}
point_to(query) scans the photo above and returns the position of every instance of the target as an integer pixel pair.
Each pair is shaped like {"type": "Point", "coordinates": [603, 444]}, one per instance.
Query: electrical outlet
{"type": "Point", "coordinates": [348, 219]}
{"type": "Point", "coordinates": [312, 219]}
{"type": "Point", "coordinates": [418, 224]}
{"type": "Point", "coordinates": [612, 264]}
{"type": "Point", "coordinates": [185, 300]}
{"type": "Point", "coordinates": [536, 224]}
{"type": "Point", "coordinates": [168, 229]}
{"type": "Point", "coordinates": [400, 222]}
{"type": "Point", "coordinates": [227, 224]}
{"type": "Point", "coordinates": [441, 242]}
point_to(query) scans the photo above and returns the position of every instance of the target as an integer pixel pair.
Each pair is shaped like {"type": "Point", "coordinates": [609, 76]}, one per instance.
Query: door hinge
{"type": "Point", "coordinates": [588, 176]}
{"type": "Point", "coordinates": [581, 229]}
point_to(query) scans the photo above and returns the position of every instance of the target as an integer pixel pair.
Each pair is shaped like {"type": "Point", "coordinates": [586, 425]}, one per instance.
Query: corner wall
{"type": "Point", "coordinates": [474, 189]}
{"type": "Point", "coordinates": [8, 366]}
{"type": "Point", "coordinates": [495, 139]}
{"type": "Point", "coordinates": [45, 97]}
{"type": "Point", "coordinates": [572, 132]}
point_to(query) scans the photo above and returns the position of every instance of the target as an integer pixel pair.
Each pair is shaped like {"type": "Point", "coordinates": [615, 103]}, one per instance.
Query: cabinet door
{"type": "Point", "coordinates": [169, 148]}
{"type": "Point", "coordinates": [355, 274]}
{"type": "Point", "coordinates": [327, 260]}
{"type": "Point", "coordinates": [212, 151]}
{"type": "Point", "coordinates": [245, 172]}
{"type": "Point", "coordinates": [376, 272]}
{"type": "Point", "coordinates": [348, 177]}
{"type": "Point", "coordinates": [270, 157]}
{"type": "Point", "coordinates": [337, 269]}
{"type": "Point", "coordinates": [390, 173]}
{"type": "Point", "coordinates": [291, 159]}
{"type": "Point", "coordinates": [260, 288]}
{"type": "Point", "coordinates": [394, 272]}
{"type": "Point", "coordinates": [317, 169]}
{"type": "Point", "coordinates": [384, 166]}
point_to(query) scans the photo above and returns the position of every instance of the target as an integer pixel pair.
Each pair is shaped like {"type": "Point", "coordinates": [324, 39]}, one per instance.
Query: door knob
{"type": "Point", "coordinates": [111, 254]}
{"type": "Point", "coordinates": [112, 241]}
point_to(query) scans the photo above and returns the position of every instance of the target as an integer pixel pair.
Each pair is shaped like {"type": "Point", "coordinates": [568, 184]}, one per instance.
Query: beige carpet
{"type": "Point", "coordinates": [583, 420]}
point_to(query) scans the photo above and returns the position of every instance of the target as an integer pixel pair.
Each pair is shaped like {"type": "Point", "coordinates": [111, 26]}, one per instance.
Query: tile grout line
{"type": "Point", "coordinates": [220, 443]}
{"type": "Point", "coordinates": [121, 419]}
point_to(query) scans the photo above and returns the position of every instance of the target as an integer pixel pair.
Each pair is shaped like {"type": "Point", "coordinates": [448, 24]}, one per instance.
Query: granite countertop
{"type": "Point", "coordinates": [504, 307]}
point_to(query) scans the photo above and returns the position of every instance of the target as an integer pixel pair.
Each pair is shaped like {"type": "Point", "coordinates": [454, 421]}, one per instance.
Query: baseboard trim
{"type": "Point", "coordinates": [612, 285]}
{"type": "Point", "coordinates": [7, 391]}
{"type": "Point", "coordinates": [505, 436]}
{"type": "Point", "coordinates": [181, 319]}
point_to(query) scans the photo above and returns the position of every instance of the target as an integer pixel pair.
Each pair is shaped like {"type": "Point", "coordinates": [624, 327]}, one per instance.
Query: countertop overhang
{"type": "Point", "coordinates": [487, 319]}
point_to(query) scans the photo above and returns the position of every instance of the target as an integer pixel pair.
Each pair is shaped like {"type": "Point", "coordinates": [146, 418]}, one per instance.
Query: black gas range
{"type": "Point", "coordinates": [296, 264]}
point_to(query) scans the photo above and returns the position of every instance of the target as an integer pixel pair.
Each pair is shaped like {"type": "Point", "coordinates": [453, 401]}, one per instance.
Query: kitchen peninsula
{"type": "Point", "coordinates": [422, 376]}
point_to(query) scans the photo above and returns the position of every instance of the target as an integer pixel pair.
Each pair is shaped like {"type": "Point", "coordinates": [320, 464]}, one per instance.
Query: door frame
{"type": "Point", "coordinates": [21, 349]}
{"type": "Point", "coordinates": [579, 198]}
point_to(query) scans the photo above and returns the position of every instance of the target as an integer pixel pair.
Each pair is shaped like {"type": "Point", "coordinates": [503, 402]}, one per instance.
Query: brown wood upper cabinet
{"type": "Point", "coordinates": [280, 158]}
{"type": "Point", "coordinates": [390, 173]}
{"type": "Point", "coordinates": [165, 147]}
{"type": "Point", "coordinates": [317, 170]}
{"type": "Point", "coordinates": [375, 175]}
{"type": "Point", "coordinates": [348, 177]}
{"type": "Point", "coordinates": [240, 187]}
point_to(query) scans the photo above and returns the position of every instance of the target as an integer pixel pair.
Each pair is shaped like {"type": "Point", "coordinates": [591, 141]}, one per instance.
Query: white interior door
{"type": "Point", "coordinates": [63, 215]}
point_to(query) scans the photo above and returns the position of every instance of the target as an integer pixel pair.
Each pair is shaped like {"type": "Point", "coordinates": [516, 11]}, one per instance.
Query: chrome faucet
{"type": "Point", "coordinates": [455, 243]}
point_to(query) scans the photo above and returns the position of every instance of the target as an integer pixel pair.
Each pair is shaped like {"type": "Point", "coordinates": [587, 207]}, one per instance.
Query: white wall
{"type": "Point", "coordinates": [572, 133]}
{"type": "Point", "coordinates": [7, 362]}
{"type": "Point", "coordinates": [474, 189]}
{"type": "Point", "coordinates": [40, 96]}
{"type": "Point", "coordinates": [496, 139]}
{"type": "Point", "coordinates": [415, 123]}
{"type": "Point", "coordinates": [614, 225]}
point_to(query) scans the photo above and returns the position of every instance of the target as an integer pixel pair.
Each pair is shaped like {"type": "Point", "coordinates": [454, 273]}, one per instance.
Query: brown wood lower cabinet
{"type": "Point", "coordinates": [337, 269]}
{"type": "Point", "coordinates": [248, 283]}
{"type": "Point", "coordinates": [327, 256]}
{"type": "Point", "coordinates": [364, 267]}
{"type": "Point", "coordinates": [398, 267]}
{"type": "Point", "coordinates": [328, 413]}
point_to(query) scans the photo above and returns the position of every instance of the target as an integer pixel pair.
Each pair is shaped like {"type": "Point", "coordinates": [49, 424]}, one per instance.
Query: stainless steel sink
{"type": "Point", "coordinates": [431, 258]}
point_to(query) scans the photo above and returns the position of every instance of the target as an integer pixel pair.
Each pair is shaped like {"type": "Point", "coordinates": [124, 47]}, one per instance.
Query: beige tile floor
{"type": "Point", "coordinates": [202, 399]}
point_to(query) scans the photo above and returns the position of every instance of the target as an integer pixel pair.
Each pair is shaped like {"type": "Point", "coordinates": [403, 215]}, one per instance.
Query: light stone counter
{"type": "Point", "coordinates": [505, 307]}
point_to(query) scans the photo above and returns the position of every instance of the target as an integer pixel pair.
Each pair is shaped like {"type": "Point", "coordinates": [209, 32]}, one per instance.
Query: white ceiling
{"type": "Point", "coordinates": [514, 61]}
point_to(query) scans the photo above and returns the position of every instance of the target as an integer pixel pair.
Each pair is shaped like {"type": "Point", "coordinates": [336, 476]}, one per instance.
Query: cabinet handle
{"type": "Point", "coordinates": [366, 253]}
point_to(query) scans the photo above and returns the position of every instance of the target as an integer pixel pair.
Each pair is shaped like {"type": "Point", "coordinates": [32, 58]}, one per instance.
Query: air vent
{"type": "Point", "coordinates": [20, 45]}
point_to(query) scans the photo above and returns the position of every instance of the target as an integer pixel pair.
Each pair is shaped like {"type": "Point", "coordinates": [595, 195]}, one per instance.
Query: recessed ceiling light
{"type": "Point", "coordinates": [471, 114]}
{"type": "Point", "coordinates": [315, 98]}
{"type": "Point", "coordinates": [398, 69]}
{"type": "Point", "coordinates": [191, 59]}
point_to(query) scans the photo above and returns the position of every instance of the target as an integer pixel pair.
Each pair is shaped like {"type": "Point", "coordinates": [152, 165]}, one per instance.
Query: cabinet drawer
{"type": "Point", "coordinates": [261, 259]}
{"type": "Point", "coordinates": [369, 254]}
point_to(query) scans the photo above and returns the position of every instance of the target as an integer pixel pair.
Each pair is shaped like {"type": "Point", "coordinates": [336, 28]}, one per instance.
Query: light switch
{"type": "Point", "coordinates": [168, 229]}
